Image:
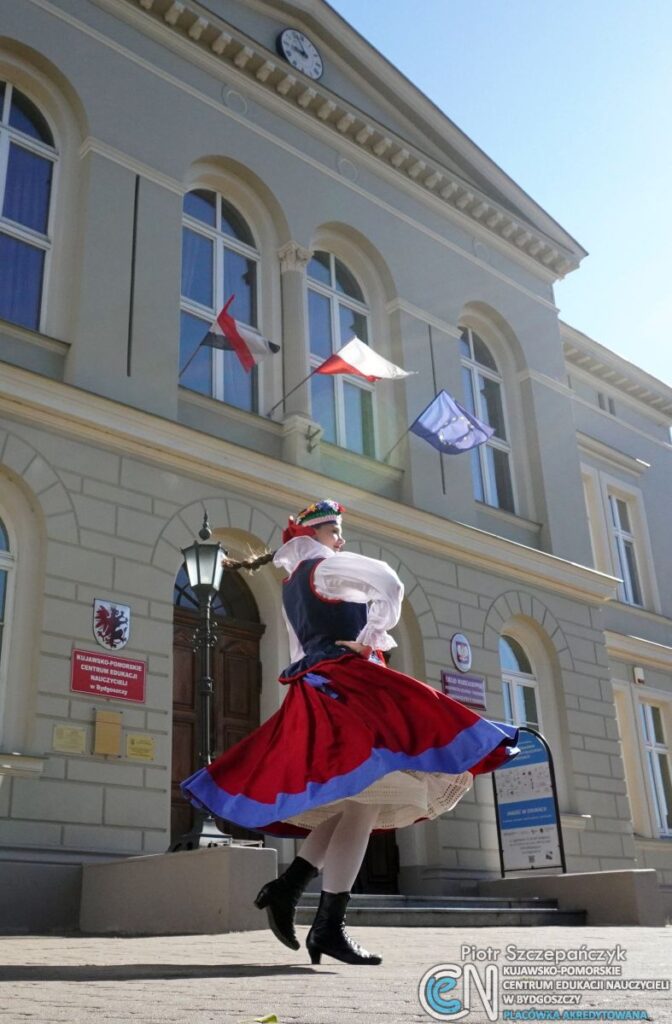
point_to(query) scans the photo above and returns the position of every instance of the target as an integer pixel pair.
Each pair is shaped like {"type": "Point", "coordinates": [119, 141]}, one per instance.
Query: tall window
{"type": "Point", "coordinates": [219, 259]}
{"type": "Point", "coordinates": [27, 158]}
{"type": "Point", "coordinates": [482, 385]}
{"type": "Point", "coordinates": [658, 762]}
{"type": "Point", "coordinates": [337, 312]}
{"type": "Point", "coordinates": [624, 542]}
{"type": "Point", "coordinates": [519, 686]}
{"type": "Point", "coordinates": [5, 568]}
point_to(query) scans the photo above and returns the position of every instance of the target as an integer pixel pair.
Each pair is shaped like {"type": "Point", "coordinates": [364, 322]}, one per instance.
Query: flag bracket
{"type": "Point", "coordinates": [313, 438]}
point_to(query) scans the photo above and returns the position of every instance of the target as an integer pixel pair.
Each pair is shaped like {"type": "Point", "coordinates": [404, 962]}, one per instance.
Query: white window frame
{"type": "Point", "coordinates": [598, 487]}
{"type": "Point", "coordinates": [207, 314]}
{"type": "Point", "coordinates": [8, 565]}
{"type": "Point", "coordinates": [620, 538]}
{"type": "Point", "coordinates": [514, 703]}
{"type": "Point", "coordinates": [475, 368]}
{"type": "Point", "coordinates": [9, 135]}
{"type": "Point", "coordinates": [335, 298]}
{"type": "Point", "coordinates": [652, 751]}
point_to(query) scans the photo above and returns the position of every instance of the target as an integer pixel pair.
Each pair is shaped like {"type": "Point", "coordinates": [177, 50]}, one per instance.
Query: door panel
{"type": "Point", "coordinates": [235, 703]}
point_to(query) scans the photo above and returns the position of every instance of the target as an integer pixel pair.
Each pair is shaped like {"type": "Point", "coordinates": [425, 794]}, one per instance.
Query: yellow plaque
{"type": "Point", "coordinates": [69, 739]}
{"type": "Point", "coordinates": [107, 736]}
{"type": "Point", "coordinates": [140, 746]}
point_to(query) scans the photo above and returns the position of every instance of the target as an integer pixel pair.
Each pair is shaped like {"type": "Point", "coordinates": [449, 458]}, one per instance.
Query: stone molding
{"type": "Point", "coordinates": [293, 257]}
{"type": "Point", "coordinates": [514, 603]}
{"type": "Point", "coordinates": [44, 484]}
{"type": "Point", "coordinates": [266, 70]}
{"type": "Point", "coordinates": [92, 419]}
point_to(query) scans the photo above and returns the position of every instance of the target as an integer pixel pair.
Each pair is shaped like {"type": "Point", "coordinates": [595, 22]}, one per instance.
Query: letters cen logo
{"type": "Point", "coordinates": [440, 990]}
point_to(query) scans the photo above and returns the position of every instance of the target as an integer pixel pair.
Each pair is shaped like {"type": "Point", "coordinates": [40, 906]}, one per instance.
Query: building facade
{"type": "Point", "coordinates": [157, 157]}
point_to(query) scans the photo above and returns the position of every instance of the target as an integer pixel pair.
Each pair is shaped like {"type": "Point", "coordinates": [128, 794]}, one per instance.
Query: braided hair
{"type": "Point", "coordinates": [249, 565]}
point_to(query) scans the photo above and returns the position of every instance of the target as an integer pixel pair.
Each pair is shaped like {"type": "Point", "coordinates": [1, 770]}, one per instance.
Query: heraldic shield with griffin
{"type": "Point", "coordinates": [111, 624]}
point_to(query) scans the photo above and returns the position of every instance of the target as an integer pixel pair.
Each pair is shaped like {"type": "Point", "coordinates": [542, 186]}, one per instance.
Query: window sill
{"type": "Point", "coordinates": [636, 609]}
{"type": "Point", "coordinates": [21, 765]}
{"type": "Point", "coordinates": [507, 517]}
{"type": "Point", "coordinates": [652, 842]}
{"type": "Point", "coordinates": [26, 334]}
{"type": "Point", "coordinates": [366, 462]}
{"type": "Point", "coordinates": [232, 412]}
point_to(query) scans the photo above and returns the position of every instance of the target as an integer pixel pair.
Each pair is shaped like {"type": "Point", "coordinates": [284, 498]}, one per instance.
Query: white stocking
{"type": "Point", "coordinates": [347, 846]}
{"type": "Point", "coordinates": [314, 846]}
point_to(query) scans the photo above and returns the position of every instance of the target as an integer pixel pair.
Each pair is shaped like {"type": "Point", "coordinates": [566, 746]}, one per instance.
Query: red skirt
{"type": "Point", "coordinates": [352, 729]}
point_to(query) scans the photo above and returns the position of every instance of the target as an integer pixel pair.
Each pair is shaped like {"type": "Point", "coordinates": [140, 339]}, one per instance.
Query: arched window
{"type": "Point", "coordinates": [521, 704]}
{"type": "Point", "coordinates": [482, 384]}
{"type": "Point", "coordinates": [219, 259]}
{"type": "Point", "coordinates": [338, 312]}
{"type": "Point", "coordinates": [27, 158]}
{"type": "Point", "coordinates": [234, 599]}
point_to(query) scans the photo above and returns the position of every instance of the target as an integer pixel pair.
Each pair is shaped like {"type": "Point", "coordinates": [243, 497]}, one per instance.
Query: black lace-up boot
{"type": "Point", "coordinates": [281, 896]}
{"type": "Point", "coordinates": [329, 936]}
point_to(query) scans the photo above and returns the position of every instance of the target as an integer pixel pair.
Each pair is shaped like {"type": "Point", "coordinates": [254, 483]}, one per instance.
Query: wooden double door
{"type": "Point", "coordinates": [236, 671]}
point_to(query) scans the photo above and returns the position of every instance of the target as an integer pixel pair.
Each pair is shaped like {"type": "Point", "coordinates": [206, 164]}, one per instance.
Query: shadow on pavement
{"type": "Point", "coordinates": [139, 972]}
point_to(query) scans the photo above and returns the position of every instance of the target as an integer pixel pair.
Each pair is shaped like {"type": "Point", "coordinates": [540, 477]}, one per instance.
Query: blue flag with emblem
{"type": "Point", "coordinates": [448, 427]}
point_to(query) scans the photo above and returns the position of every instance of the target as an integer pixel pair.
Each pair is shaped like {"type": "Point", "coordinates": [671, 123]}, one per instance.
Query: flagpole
{"type": "Point", "coordinates": [397, 443]}
{"type": "Point", "coordinates": [286, 396]}
{"type": "Point", "coordinates": [191, 357]}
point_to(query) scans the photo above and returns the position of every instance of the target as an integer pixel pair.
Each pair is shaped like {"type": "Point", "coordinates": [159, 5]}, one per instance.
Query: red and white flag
{"type": "Point", "coordinates": [232, 336]}
{"type": "Point", "coordinates": [356, 357]}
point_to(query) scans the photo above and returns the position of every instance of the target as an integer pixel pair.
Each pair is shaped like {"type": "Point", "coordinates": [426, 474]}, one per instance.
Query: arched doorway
{"type": "Point", "coordinates": [236, 670]}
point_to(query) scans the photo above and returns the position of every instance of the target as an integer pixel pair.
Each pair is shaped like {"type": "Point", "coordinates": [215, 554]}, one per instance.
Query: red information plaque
{"type": "Point", "coordinates": [106, 675]}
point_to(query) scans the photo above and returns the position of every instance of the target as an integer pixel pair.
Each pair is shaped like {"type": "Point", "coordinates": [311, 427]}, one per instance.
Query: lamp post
{"type": "Point", "coordinates": [204, 568]}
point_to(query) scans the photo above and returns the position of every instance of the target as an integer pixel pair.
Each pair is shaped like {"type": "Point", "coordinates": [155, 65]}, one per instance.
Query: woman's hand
{"type": "Point", "coordinates": [362, 649]}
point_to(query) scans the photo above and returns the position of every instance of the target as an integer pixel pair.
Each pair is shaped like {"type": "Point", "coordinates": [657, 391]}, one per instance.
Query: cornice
{"type": "Point", "coordinates": [591, 446]}
{"type": "Point", "coordinates": [636, 649]}
{"type": "Point", "coordinates": [93, 145]}
{"type": "Point", "coordinates": [402, 306]}
{"type": "Point", "coordinates": [187, 24]}
{"type": "Point", "coordinates": [61, 407]}
{"type": "Point", "coordinates": [617, 373]}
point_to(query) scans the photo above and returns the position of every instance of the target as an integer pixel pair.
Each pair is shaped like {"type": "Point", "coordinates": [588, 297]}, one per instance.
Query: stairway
{"type": "Point", "coordinates": [447, 912]}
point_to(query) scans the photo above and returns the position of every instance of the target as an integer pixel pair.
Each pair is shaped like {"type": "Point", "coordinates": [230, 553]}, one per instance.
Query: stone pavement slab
{"type": "Point", "coordinates": [237, 977]}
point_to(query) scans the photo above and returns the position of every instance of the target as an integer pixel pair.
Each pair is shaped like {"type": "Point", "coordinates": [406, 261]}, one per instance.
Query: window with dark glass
{"type": "Point", "coordinates": [337, 313]}
{"type": "Point", "coordinates": [482, 387]}
{"type": "Point", "coordinates": [624, 543]}
{"type": "Point", "coordinates": [658, 762]}
{"type": "Point", "coordinates": [219, 259]}
{"type": "Point", "coordinates": [27, 158]}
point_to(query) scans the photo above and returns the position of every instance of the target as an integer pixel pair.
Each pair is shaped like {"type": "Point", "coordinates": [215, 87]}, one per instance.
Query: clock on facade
{"type": "Point", "coordinates": [298, 50]}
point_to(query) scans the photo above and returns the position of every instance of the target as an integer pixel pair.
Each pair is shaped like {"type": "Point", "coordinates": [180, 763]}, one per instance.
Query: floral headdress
{"type": "Point", "coordinates": [317, 514]}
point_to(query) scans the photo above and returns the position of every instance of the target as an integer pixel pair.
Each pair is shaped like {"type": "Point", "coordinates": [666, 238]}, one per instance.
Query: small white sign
{"type": "Point", "coordinates": [460, 650]}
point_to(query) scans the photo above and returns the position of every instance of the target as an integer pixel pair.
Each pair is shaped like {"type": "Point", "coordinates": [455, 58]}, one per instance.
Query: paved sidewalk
{"type": "Point", "coordinates": [237, 977]}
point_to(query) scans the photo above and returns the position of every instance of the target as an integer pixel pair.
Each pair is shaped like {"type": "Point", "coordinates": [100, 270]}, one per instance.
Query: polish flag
{"type": "Point", "coordinates": [232, 336]}
{"type": "Point", "coordinates": [356, 357]}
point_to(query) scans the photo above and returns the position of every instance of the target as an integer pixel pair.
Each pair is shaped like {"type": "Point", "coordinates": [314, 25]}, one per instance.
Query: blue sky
{"type": "Point", "coordinates": [572, 98]}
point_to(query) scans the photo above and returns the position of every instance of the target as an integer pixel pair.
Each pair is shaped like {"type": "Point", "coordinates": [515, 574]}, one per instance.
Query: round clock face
{"type": "Point", "coordinates": [298, 50]}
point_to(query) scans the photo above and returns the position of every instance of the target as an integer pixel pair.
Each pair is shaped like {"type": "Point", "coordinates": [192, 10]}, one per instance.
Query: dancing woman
{"type": "Point", "coordinates": [355, 746]}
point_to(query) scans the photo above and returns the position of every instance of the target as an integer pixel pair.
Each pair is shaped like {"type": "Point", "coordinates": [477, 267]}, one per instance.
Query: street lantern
{"type": "Point", "coordinates": [204, 567]}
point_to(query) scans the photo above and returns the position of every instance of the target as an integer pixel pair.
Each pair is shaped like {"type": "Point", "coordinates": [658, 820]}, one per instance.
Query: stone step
{"type": "Point", "coordinates": [393, 901]}
{"type": "Point", "coordinates": [382, 910]}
